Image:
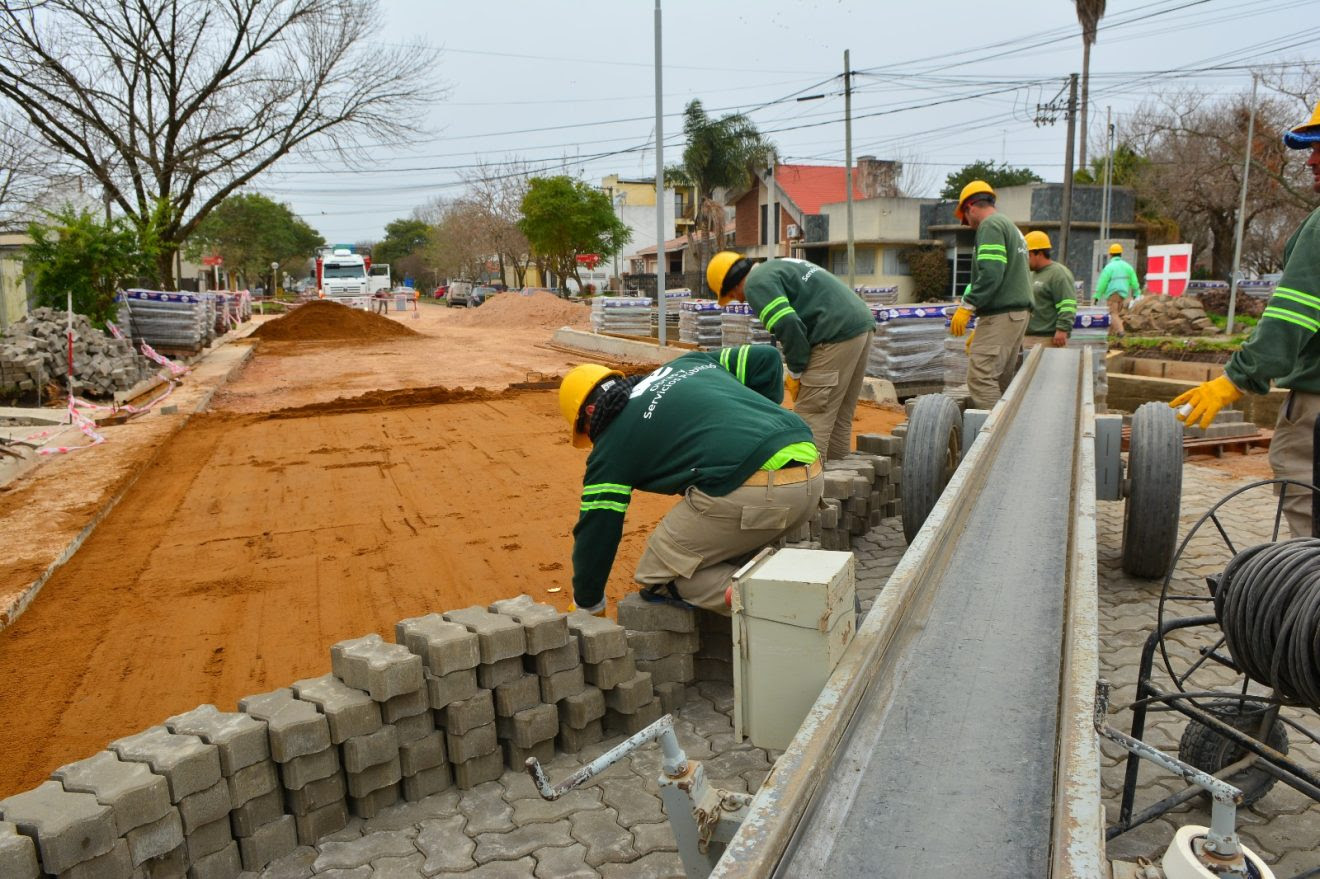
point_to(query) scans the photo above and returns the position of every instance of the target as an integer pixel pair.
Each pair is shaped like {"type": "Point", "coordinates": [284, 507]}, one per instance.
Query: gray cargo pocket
{"type": "Point", "coordinates": [765, 518]}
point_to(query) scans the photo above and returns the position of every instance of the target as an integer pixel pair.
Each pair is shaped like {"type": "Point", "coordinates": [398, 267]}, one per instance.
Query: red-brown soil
{"type": "Point", "coordinates": [321, 321]}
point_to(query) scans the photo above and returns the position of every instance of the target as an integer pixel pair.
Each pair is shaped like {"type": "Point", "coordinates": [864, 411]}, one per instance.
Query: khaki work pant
{"type": "Point", "coordinates": [993, 357]}
{"type": "Point", "coordinates": [1291, 456]}
{"type": "Point", "coordinates": [1116, 305]}
{"type": "Point", "coordinates": [827, 399]}
{"type": "Point", "coordinates": [701, 541]}
{"type": "Point", "coordinates": [1033, 341]}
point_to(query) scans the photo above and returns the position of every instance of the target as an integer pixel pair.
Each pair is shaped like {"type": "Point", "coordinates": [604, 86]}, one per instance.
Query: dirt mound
{"type": "Point", "coordinates": [515, 310]}
{"type": "Point", "coordinates": [392, 399]}
{"type": "Point", "coordinates": [319, 321]}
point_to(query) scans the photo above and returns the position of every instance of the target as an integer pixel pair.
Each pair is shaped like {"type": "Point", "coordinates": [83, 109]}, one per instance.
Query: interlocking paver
{"type": "Point", "coordinates": [485, 809]}
{"type": "Point", "coordinates": [657, 865]}
{"type": "Point", "coordinates": [533, 809]}
{"type": "Point", "coordinates": [364, 850]}
{"type": "Point", "coordinates": [568, 862]}
{"type": "Point", "coordinates": [521, 841]}
{"type": "Point", "coordinates": [409, 867]}
{"type": "Point", "coordinates": [605, 838]}
{"type": "Point", "coordinates": [654, 837]}
{"type": "Point", "coordinates": [445, 846]}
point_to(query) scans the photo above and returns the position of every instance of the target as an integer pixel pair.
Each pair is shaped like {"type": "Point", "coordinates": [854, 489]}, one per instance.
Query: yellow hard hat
{"type": "Point", "coordinates": [724, 271]}
{"type": "Point", "coordinates": [1038, 241]}
{"type": "Point", "coordinates": [573, 392]}
{"type": "Point", "coordinates": [1306, 134]}
{"type": "Point", "coordinates": [976, 187]}
{"type": "Point", "coordinates": [1115, 249]}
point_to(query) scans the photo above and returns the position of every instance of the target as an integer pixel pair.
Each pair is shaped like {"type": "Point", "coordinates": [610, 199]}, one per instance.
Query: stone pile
{"type": "Point", "coordinates": [34, 351]}
{"type": "Point", "coordinates": [1168, 316]}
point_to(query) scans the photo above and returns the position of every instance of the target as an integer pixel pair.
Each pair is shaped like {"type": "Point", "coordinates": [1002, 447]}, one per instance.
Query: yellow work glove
{"type": "Point", "coordinates": [1205, 400]}
{"type": "Point", "coordinates": [967, 346]}
{"type": "Point", "coordinates": [792, 386]}
{"type": "Point", "coordinates": [958, 323]}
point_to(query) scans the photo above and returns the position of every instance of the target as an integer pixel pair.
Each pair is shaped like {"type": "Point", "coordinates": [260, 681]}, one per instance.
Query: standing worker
{"type": "Point", "coordinates": [1117, 282]}
{"type": "Point", "coordinates": [707, 426]}
{"type": "Point", "coordinates": [999, 295]}
{"type": "Point", "coordinates": [1283, 349]}
{"type": "Point", "coordinates": [825, 330]}
{"type": "Point", "coordinates": [1053, 296]}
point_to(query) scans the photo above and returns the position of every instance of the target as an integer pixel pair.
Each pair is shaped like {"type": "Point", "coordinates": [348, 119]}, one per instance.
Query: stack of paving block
{"type": "Point", "coordinates": [739, 326]}
{"type": "Point", "coordinates": [35, 350]}
{"type": "Point", "coordinates": [263, 830]}
{"type": "Point", "coordinates": [469, 724]}
{"type": "Point", "coordinates": [700, 324]}
{"type": "Point", "coordinates": [908, 347]}
{"type": "Point", "coordinates": [308, 762]}
{"type": "Point", "coordinates": [168, 321]}
{"type": "Point", "coordinates": [526, 712]}
{"type": "Point", "coordinates": [876, 297]}
{"type": "Point", "coordinates": [450, 655]}
{"type": "Point", "coordinates": [622, 315]}
{"type": "Point", "coordinates": [861, 488]}
{"type": "Point", "coordinates": [664, 639]}
{"type": "Point", "coordinates": [73, 833]}
{"type": "Point", "coordinates": [714, 657]}
{"type": "Point", "coordinates": [615, 688]}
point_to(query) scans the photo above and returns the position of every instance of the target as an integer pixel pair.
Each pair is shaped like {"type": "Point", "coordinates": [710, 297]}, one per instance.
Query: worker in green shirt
{"type": "Point", "coordinates": [824, 328]}
{"type": "Point", "coordinates": [1053, 296]}
{"type": "Point", "coordinates": [707, 426]}
{"type": "Point", "coordinates": [999, 295]}
{"type": "Point", "coordinates": [1284, 349]}
{"type": "Point", "coordinates": [1117, 283]}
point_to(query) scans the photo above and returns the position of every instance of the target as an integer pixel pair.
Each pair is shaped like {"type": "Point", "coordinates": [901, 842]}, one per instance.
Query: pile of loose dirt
{"type": "Point", "coordinates": [514, 310]}
{"type": "Point", "coordinates": [319, 321]}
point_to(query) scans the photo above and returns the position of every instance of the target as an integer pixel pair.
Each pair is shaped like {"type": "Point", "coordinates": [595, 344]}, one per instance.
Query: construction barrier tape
{"type": "Point", "coordinates": [83, 423]}
{"type": "Point", "coordinates": [176, 369]}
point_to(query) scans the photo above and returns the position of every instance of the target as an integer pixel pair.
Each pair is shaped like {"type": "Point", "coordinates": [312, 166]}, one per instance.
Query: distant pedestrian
{"type": "Point", "coordinates": [1053, 296]}
{"type": "Point", "coordinates": [1119, 285]}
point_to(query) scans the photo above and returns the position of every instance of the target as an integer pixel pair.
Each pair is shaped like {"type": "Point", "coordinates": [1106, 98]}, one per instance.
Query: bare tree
{"type": "Point", "coordinates": [171, 106]}
{"type": "Point", "coordinates": [26, 172]}
{"type": "Point", "coordinates": [497, 192]}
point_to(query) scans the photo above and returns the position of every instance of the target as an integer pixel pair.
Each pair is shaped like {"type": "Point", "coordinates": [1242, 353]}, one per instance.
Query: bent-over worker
{"type": "Point", "coordinates": [1117, 283]}
{"type": "Point", "coordinates": [824, 328]}
{"type": "Point", "coordinates": [1053, 296]}
{"type": "Point", "coordinates": [707, 426]}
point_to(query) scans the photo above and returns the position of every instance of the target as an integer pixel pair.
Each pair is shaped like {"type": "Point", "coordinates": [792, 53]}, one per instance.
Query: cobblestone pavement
{"type": "Point", "coordinates": [617, 827]}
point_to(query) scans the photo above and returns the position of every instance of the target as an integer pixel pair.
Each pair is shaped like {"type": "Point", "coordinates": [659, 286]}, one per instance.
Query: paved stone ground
{"type": "Point", "coordinates": [617, 828]}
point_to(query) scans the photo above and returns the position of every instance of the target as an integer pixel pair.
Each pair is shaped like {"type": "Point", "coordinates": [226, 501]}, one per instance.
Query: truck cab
{"type": "Point", "coordinates": [342, 274]}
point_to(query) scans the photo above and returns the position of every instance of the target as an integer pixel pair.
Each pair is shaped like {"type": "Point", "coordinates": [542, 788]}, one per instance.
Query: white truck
{"type": "Point", "coordinates": [344, 275]}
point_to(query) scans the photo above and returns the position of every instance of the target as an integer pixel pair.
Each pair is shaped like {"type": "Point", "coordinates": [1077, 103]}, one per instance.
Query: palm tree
{"type": "Point", "coordinates": [1089, 13]}
{"type": "Point", "coordinates": [720, 153]}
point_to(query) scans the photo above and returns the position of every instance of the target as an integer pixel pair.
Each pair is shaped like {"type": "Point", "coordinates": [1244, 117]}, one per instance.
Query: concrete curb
{"type": "Point", "coordinates": [616, 347]}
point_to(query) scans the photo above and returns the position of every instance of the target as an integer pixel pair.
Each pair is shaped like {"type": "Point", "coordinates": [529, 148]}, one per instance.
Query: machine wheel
{"type": "Point", "coordinates": [931, 452]}
{"type": "Point", "coordinates": [1208, 751]}
{"type": "Point", "coordinates": [1154, 491]}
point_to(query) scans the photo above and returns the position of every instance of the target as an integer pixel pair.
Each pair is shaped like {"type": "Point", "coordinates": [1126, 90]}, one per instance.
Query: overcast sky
{"type": "Point", "coordinates": [570, 87]}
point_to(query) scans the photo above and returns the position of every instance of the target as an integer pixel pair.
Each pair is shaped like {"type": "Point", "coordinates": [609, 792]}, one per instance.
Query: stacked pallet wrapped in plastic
{"type": "Point", "coordinates": [167, 321]}
{"type": "Point", "coordinates": [622, 315]}
{"type": "Point", "coordinates": [699, 323]}
{"type": "Point", "coordinates": [232, 308]}
{"type": "Point", "coordinates": [674, 299]}
{"type": "Point", "coordinates": [908, 348]}
{"type": "Point", "coordinates": [1257, 289]}
{"type": "Point", "coordinates": [878, 296]}
{"type": "Point", "coordinates": [739, 326]}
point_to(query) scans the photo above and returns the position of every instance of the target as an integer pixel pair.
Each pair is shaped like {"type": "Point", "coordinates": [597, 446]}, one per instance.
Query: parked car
{"type": "Point", "coordinates": [439, 292]}
{"type": "Point", "coordinates": [480, 295]}
{"type": "Point", "coordinates": [532, 291]}
{"type": "Point", "coordinates": [458, 293]}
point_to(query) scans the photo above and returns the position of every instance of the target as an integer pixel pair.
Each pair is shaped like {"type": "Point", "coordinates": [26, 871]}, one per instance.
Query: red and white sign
{"type": "Point", "coordinates": [1168, 268]}
{"type": "Point", "coordinates": [213, 261]}
{"type": "Point", "coordinates": [588, 259]}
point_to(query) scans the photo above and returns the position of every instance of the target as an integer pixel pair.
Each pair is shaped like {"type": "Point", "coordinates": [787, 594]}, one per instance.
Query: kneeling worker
{"type": "Point", "coordinates": [707, 426]}
{"type": "Point", "coordinates": [1053, 296]}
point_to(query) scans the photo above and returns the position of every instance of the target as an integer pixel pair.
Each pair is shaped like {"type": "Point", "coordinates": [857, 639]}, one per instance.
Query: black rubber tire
{"type": "Point", "coordinates": [1208, 751]}
{"type": "Point", "coordinates": [931, 452]}
{"type": "Point", "coordinates": [1154, 493]}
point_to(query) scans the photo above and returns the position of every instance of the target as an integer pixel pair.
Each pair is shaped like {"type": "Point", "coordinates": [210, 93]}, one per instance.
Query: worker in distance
{"type": "Point", "coordinates": [707, 426]}
{"type": "Point", "coordinates": [1053, 296]}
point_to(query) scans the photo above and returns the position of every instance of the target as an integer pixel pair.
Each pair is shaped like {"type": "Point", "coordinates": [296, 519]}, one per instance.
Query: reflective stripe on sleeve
{"type": "Point", "coordinates": [1291, 317]}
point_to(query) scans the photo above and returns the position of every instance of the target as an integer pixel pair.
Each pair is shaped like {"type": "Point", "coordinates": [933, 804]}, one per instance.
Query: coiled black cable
{"type": "Point", "coordinates": [1268, 605]}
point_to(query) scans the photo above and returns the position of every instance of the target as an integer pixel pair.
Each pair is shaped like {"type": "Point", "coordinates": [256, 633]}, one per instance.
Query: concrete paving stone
{"type": "Point", "coordinates": [631, 724]}
{"type": "Point", "coordinates": [188, 764]}
{"type": "Point", "coordinates": [134, 793]}
{"type": "Point", "coordinates": [630, 695]}
{"type": "Point", "coordinates": [498, 637]}
{"type": "Point", "coordinates": [373, 778]}
{"type": "Point", "coordinates": [425, 753]}
{"type": "Point", "coordinates": [273, 840]}
{"type": "Point", "coordinates": [444, 845]}
{"type": "Point", "coordinates": [638, 614]}
{"type": "Point", "coordinates": [1297, 863]}
{"type": "Point", "coordinates": [485, 809]}
{"type": "Point", "coordinates": [18, 854]}
{"type": "Point", "coordinates": [445, 647]}
{"type": "Point", "coordinates": [205, 807]}
{"type": "Point", "coordinates": [657, 865]}
{"type": "Point", "coordinates": [530, 726]}
{"type": "Point", "coordinates": [705, 719]}
{"type": "Point", "coordinates": [547, 662]}
{"type": "Point", "coordinates": [599, 639]}
{"type": "Point", "coordinates": [295, 865]}
{"type": "Point", "coordinates": [318, 823]}
{"type": "Point", "coordinates": [735, 762]}
{"type": "Point", "coordinates": [410, 729]}
{"type": "Point", "coordinates": [573, 740]}
{"type": "Point", "coordinates": [301, 771]}
{"type": "Point", "coordinates": [252, 781]}
{"type": "Point", "coordinates": [208, 839]}
{"type": "Point", "coordinates": [405, 705]}
{"type": "Point", "coordinates": [295, 728]}
{"type": "Point", "coordinates": [534, 809]}
{"type": "Point", "coordinates": [423, 784]}
{"type": "Point", "coordinates": [609, 673]}
{"type": "Point", "coordinates": [354, 828]}
{"type": "Point", "coordinates": [476, 742]}
{"type": "Point", "coordinates": [383, 669]}
{"type": "Point", "coordinates": [562, 684]}
{"type": "Point", "coordinates": [565, 862]}
{"type": "Point", "coordinates": [66, 827]}
{"type": "Point", "coordinates": [519, 869]}
{"type": "Point", "coordinates": [168, 866]}
{"type": "Point", "coordinates": [543, 627]}
{"type": "Point", "coordinates": [605, 838]}
{"type": "Point", "coordinates": [371, 749]}
{"type": "Point", "coordinates": [354, 873]}
{"type": "Point", "coordinates": [672, 696]}
{"type": "Point", "coordinates": [676, 668]}
{"type": "Point", "coordinates": [521, 841]}
{"type": "Point", "coordinates": [459, 717]}
{"type": "Point", "coordinates": [453, 687]}
{"type": "Point", "coordinates": [348, 711]}
{"type": "Point", "coordinates": [399, 868]}
{"type": "Point", "coordinates": [581, 708]}
{"type": "Point", "coordinates": [362, 851]}
{"type": "Point", "coordinates": [521, 693]}
{"type": "Point", "coordinates": [658, 837]}
{"type": "Point", "coordinates": [114, 864]}
{"type": "Point", "coordinates": [479, 770]}
{"type": "Point", "coordinates": [317, 794]}
{"type": "Point", "coordinates": [660, 643]}
{"type": "Point", "coordinates": [516, 756]}
{"type": "Point", "coordinates": [258, 811]}
{"type": "Point", "coordinates": [633, 803]}
{"type": "Point", "coordinates": [371, 804]}
{"type": "Point", "coordinates": [241, 738]}
{"type": "Point", "coordinates": [503, 671]}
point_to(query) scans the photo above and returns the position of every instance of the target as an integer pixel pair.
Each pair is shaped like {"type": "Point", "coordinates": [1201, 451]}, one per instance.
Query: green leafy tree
{"type": "Point", "coordinates": [250, 231]}
{"type": "Point", "coordinates": [996, 175]}
{"type": "Point", "coordinates": [76, 253]}
{"type": "Point", "coordinates": [564, 218]}
{"type": "Point", "coordinates": [929, 268]}
{"type": "Point", "coordinates": [402, 238]}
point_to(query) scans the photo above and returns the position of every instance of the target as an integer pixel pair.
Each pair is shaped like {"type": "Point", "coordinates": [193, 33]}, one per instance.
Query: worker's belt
{"type": "Point", "coordinates": [794, 472]}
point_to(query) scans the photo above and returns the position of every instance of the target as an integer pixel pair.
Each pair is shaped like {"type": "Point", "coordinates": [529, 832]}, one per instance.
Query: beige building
{"type": "Point", "coordinates": [884, 229]}
{"type": "Point", "coordinates": [14, 287]}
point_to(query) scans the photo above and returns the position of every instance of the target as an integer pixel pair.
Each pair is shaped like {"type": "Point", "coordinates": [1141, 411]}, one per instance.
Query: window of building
{"type": "Point", "coordinates": [863, 260]}
{"type": "Point", "coordinates": [896, 262]}
{"type": "Point", "coordinates": [960, 269]}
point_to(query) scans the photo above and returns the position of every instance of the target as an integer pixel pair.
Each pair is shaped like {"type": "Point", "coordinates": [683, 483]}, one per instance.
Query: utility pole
{"type": "Point", "coordinates": [1065, 218]}
{"type": "Point", "coordinates": [1242, 210]}
{"type": "Point", "coordinates": [660, 255]}
{"type": "Point", "coordinates": [1105, 181]}
{"type": "Point", "coordinates": [848, 158]}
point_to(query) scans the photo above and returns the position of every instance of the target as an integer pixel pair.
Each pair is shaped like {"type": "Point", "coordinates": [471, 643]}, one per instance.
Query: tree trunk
{"type": "Point", "coordinates": [165, 266]}
{"type": "Point", "coordinates": [1223, 228]}
{"type": "Point", "coordinates": [1086, 107]}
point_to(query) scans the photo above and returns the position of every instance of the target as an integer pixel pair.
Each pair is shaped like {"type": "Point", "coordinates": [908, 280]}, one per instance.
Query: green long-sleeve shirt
{"type": "Point", "coordinates": [1284, 348]}
{"type": "Point", "coordinates": [1053, 301]}
{"type": "Point", "coordinates": [803, 305]}
{"type": "Point", "coordinates": [1001, 280]}
{"type": "Point", "coordinates": [689, 423]}
{"type": "Point", "coordinates": [1117, 277]}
